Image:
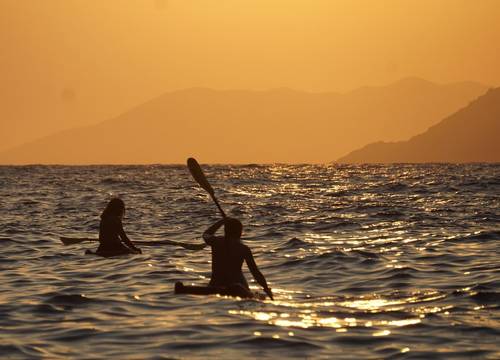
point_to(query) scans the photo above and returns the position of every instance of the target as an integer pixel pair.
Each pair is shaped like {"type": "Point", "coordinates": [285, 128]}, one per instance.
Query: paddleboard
{"type": "Point", "coordinates": [237, 291]}
{"type": "Point", "coordinates": [91, 252]}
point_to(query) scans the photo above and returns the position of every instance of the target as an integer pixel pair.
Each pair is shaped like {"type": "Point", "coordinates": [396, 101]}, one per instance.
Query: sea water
{"type": "Point", "coordinates": [397, 261]}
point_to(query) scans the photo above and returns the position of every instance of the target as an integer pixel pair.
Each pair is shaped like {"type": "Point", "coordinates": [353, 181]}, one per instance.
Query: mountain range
{"type": "Point", "coordinates": [242, 126]}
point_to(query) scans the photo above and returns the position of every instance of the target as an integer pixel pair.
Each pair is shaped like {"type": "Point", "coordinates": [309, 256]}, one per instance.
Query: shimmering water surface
{"type": "Point", "coordinates": [368, 262]}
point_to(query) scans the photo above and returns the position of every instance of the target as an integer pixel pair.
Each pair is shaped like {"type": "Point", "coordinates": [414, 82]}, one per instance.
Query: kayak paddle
{"type": "Point", "coordinates": [199, 176]}
{"type": "Point", "coordinates": [71, 241]}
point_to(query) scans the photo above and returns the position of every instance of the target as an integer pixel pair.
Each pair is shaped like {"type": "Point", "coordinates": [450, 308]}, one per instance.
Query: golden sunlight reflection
{"type": "Point", "coordinates": [330, 239]}
{"type": "Point", "coordinates": [381, 333]}
{"type": "Point", "coordinates": [307, 319]}
{"type": "Point", "coordinates": [324, 312]}
{"type": "Point", "coordinates": [256, 192]}
{"type": "Point", "coordinates": [375, 304]}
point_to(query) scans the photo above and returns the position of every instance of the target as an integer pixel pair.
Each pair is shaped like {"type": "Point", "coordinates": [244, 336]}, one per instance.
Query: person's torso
{"type": "Point", "coordinates": [227, 260]}
{"type": "Point", "coordinates": [109, 232]}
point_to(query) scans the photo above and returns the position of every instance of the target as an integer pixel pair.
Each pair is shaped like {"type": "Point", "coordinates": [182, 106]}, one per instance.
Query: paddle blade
{"type": "Point", "coordinates": [72, 241]}
{"type": "Point", "coordinates": [194, 247]}
{"type": "Point", "coordinates": [189, 246]}
{"type": "Point", "coordinates": [198, 175]}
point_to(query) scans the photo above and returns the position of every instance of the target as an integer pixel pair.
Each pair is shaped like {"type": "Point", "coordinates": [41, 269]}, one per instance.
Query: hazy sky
{"type": "Point", "coordinates": [65, 63]}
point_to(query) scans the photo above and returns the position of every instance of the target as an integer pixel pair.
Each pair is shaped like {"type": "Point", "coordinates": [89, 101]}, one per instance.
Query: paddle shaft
{"type": "Point", "coordinates": [201, 179]}
{"type": "Point", "coordinates": [72, 241]}
{"type": "Point", "coordinates": [218, 206]}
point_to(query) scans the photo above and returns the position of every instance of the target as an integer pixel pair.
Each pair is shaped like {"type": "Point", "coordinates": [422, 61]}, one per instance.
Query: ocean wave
{"type": "Point", "coordinates": [364, 262]}
{"type": "Point", "coordinates": [270, 342]}
{"type": "Point", "coordinates": [69, 299]}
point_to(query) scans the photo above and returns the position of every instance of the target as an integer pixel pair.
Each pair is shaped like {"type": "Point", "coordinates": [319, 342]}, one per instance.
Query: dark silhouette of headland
{"type": "Point", "coordinates": [472, 134]}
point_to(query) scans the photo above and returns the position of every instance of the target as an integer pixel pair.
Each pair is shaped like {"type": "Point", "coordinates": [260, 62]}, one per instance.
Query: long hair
{"type": "Point", "coordinates": [115, 207]}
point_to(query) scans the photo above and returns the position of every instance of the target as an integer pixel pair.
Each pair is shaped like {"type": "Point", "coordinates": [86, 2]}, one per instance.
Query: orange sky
{"type": "Point", "coordinates": [65, 63]}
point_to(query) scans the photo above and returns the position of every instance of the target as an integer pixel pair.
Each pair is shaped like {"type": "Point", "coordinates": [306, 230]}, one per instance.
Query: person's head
{"type": "Point", "coordinates": [232, 229]}
{"type": "Point", "coordinates": [115, 207]}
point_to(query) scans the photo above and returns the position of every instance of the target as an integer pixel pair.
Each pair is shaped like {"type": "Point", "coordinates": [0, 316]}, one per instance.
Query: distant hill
{"type": "Point", "coordinates": [238, 126]}
{"type": "Point", "coordinates": [472, 134]}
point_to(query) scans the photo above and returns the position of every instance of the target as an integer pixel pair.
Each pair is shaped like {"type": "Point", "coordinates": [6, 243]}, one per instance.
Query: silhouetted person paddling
{"type": "Point", "coordinates": [228, 254]}
{"type": "Point", "coordinates": [112, 238]}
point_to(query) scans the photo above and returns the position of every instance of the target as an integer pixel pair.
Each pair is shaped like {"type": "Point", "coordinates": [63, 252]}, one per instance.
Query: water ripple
{"type": "Point", "coordinates": [368, 261]}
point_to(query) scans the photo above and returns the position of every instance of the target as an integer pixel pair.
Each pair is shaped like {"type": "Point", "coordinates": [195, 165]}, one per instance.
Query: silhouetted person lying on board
{"type": "Point", "coordinates": [112, 238]}
{"type": "Point", "coordinates": [228, 254]}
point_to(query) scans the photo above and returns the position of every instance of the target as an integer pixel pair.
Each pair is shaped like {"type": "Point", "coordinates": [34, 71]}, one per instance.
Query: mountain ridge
{"type": "Point", "coordinates": [468, 135]}
{"type": "Point", "coordinates": [248, 126]}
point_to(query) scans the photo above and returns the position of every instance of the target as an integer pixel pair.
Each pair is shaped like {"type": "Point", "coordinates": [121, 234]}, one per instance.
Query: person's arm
{"type": "Point", "coordinates": [209, 234]}
{"type": "Point", "coordinates": [252, 266]}
{"type": "Point", "coordinates": [126, 240]}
